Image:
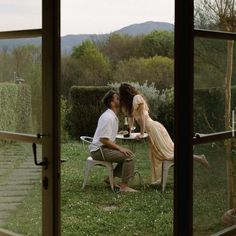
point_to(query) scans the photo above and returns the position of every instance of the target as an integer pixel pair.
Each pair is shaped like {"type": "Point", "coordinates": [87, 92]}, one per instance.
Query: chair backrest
{"type": "Point", "coordinates": [86, 139]}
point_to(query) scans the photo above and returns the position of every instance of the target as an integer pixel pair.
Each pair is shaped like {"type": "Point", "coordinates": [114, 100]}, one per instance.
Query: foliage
{"type": "Point", "coordinates": [119, 47]}
{"type": "Point", "coordinates": [220, 14]}
{"type": "Point", "coordinates": [209, 69]}
{"type": "Point", "coordinates": [85, 108]}
{"type": "Point", "coordinates": [64, 110]}
{"type": "Point", "coordinates": [8, 100]}
{"type": "Point", "coordinates": [24, 109]}
{"type": "Point", "coordinates": [157, 70]}
{"type": "Point", "coordinates": [15, 101]}
{"type": "Point", "coordinates": [209, 109]}
{"type": "Point", "coordinates": [70, 75]}
{"type": "Point", "coordinates": [158, 43]}
{"type": "Point", "coordinates": [93, 66]}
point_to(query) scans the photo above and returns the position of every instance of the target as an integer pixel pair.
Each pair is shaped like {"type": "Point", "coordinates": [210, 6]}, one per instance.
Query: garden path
{"type": "Point", "coordinates": [18, 174]}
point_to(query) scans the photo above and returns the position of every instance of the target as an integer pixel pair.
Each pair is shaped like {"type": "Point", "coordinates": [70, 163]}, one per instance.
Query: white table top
{"type": "Point", "coordinates": [132, 136]}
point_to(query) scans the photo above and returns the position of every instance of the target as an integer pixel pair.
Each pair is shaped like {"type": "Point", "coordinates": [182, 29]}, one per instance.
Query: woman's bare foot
{"type": "Point", "coordinates": [157, 182]}
{"type": "Point", "coordinates": [204, 161]}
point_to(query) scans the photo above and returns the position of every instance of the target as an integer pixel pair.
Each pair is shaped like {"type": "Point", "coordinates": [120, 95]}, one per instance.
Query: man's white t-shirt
{"type": "Point", "coordinates": [107, 127]}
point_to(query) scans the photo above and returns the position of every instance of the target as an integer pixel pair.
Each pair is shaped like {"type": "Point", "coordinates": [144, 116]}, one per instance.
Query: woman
{"type": "Point", "coordinates": [161, 146]}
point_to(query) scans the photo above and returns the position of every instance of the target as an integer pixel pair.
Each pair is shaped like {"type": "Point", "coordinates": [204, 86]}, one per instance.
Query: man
{"type": "Point", "coordinates": [105, 136]}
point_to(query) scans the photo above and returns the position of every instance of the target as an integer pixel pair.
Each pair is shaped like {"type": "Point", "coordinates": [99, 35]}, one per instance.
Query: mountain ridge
{"type": "Point", "coordinates": [71, 40]}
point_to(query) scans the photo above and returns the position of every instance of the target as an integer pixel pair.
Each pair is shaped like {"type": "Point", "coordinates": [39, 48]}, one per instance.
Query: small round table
{"type": "Point", "coordinates": [131, 139]}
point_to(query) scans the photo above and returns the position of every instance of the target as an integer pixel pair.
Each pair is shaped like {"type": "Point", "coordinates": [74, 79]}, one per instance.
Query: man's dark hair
{"type": "Point", "coordinates": [108, 98]}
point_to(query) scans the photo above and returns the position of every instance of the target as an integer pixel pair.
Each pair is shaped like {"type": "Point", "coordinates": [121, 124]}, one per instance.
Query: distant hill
{"type": "Point", "coordinates": [145, 28]}
{"type": "Point", "coordinates": [69, 41]}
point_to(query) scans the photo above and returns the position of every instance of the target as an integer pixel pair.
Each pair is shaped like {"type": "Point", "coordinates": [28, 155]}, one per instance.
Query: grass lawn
{"type": "Point", "coordinates": [99, 211]}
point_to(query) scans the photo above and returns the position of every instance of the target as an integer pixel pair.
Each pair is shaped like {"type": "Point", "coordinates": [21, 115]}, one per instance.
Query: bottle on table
{"type": "Point", "coordinates": [126, 127]}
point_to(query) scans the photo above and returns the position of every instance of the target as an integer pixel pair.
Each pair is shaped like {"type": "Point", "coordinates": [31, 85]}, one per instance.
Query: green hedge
{"type": "Point", "coordinates": [8, 100]}
{"type": "Point", "coordinates": [85, 107]}
{"type": "Point", "coordinates": [24, 109]}
{"type": "Point", "coordinates": [15, 106]}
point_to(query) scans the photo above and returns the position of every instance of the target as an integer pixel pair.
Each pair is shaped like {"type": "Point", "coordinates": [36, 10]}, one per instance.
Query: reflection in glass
{"type": "Point", "coordinates": [214, 15]}
{"type": "Point", "coordinates": [210, 72]}
{"type": "Point", "coordinates": [210, 196]}
{"type": "Point", "coordinates": [20, 85]}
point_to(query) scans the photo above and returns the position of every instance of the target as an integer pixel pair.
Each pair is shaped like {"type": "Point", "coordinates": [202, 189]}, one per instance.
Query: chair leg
{"type": "Point", "coordinates": [165, 168]}
{"type": "Point", "coordinates": [111, 177]}
{"type": "Point", "coordinates": [89, 165]}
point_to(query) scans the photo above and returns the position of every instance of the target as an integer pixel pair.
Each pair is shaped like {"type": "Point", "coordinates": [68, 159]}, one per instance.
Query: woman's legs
{"type": "Point", "coordinates": [155, 166]}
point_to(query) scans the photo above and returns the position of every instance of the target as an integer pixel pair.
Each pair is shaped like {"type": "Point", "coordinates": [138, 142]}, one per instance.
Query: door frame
{"type": "Point", "coordinates": [50, 137]}
{"type": "Point", "coordinates": [184, 137]}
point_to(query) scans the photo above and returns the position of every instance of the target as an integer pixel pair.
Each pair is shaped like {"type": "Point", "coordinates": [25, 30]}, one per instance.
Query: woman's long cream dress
{"type": "Point", "coordinates": [161, 146]}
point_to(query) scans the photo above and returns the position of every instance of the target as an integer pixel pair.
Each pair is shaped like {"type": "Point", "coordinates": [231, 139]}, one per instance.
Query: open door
{"type": "Point", "coordinates": [29, 123]}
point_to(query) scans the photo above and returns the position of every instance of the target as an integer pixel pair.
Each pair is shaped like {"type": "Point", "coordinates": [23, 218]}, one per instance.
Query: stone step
{"type": "Point", "coordinates": [13, 193]}
{"type": "Point", "coordinates": [18, 175]}
{"type": "Point", "coordinates": [10, 206]}
{"type": "Point", "coordinates": [17, 182]}
{"type": "Point", "coordinates": [4, 215]}
{"type": "Point", "coordinates": [8, 199]}
{"type": "Point", "coordinates": [16, 187]}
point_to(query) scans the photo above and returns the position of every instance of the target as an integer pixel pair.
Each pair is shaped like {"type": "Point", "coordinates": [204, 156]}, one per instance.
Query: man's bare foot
{"type": "Point", "coordinates": [107, 182]}
{"type": "Point", "coordinates": [127, 189]}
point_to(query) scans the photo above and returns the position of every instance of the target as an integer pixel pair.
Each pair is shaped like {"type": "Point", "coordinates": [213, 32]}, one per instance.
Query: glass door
{"type": "Point", "coordinates": [29, 151]}
{"type": "Point", "coordinates": [214, 103]}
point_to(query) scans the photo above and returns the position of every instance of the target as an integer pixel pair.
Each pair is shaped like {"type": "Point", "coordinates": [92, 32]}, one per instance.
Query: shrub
{"type": "Point", "coordinates": [83, 114]}
{"type": "Point", "coordinates": [157, 70]}
{"type": "Point", "coordinates": [15, 104]}
{"type": "Point", "coordinates": [8, 100]}
{"type": "Point", "coordinates": [24, 109]}
{"type": "Point", "coordinates": [85, 107]}
{"type": "Point", "coordinates": [64, 111]}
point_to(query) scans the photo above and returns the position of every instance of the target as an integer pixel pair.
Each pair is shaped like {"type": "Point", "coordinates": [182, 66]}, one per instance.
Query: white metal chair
{"type": "Point", "coordinates": [165, 169]}
{"type": "Point", "coordinates": [90, 163]}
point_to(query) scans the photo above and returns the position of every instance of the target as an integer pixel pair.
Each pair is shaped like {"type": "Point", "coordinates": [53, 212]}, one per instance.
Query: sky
{"type": "Point", "coordinates": [86, 16]}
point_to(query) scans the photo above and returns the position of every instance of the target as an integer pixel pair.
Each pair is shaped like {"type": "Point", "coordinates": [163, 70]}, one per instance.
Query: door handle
{"type": "Point", "coordinates": [42, 163]}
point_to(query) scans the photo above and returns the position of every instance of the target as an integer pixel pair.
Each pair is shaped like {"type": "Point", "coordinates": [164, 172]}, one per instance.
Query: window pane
{"type": "Point", "coordinates": [212, 68]}
{"type": "Point", "coordinates": [20, 85]}
{"type": "Point", "coordinates": [214, 15]}
{"type": "Point", "coordinates": [210, 189]}
{"type": "Point", "coordinates": [20, 183]}
{"type": "Point", "coordinates": [20, 15]}
{"type": "Point", "coordinates": [21, 101]}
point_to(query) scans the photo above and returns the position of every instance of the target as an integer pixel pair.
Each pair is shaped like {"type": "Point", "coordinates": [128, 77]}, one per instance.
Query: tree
{"type": "Point", "coordinates": [93, 66]}
{"type": "Point", "coordinates": [158, 43]}
{"type": "Point", "coordinates": [158, 70]}
{"type": "Point", "coordinates": [119, 47]}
